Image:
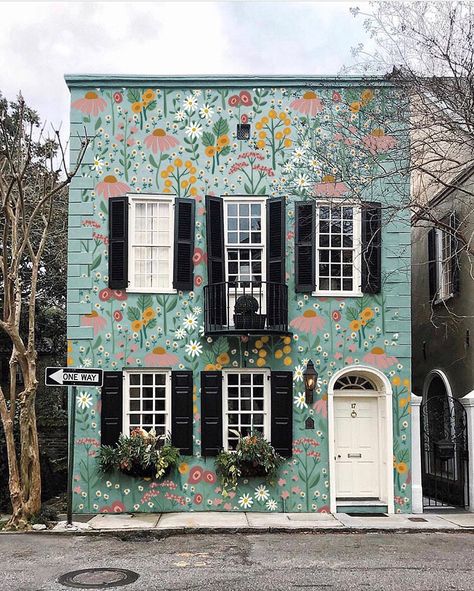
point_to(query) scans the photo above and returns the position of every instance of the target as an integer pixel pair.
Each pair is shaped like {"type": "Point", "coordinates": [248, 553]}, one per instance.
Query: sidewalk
{"type": "Point", "coordinates": [161, 524]}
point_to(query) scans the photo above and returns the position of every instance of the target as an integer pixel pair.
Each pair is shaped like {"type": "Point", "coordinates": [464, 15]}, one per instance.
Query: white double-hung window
{"type": "Point", "coordinates": [147, 401]}
{"type": "Point", "coordinates": [444, 262]}
{"type": "Point", "coordinates": [151, 243]}
{"type": "Point", "coordinates": [246, 400]}
{"type": "Point", "coordinates": [338, 249]}
{"type": "Point", "coordinates": [244, 236]}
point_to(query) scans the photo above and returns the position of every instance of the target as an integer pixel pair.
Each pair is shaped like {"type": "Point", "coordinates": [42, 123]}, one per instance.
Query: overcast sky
{"type": "Point", "coordinates": [42, 41]}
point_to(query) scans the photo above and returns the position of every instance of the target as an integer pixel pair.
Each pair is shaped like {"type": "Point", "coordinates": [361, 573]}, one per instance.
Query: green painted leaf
{"type": "Point", "coordinates": [314, 481]}
{"type": "Point", "coordinates": [208, 139]}
{"type": "Point", "coordinates": [145, 301]}
{"type": "Point", "coordinates": [221, 127]}
{"type": "Point", "coordinates": [98, 123]}
{"type": "Point", "coordinates": [103, 207]}
{"type": "Point", "coordinates": [96, 262]}
{"type": "Point", "coordinates": [133, 95]}
{"type": "Point", "coordinates": [151, 106]}
{"type": "Point", "coordinates": [153, 161]}
{"type": "Point", "coordinates": [262, 191]}
{"type": "Point", "coordinates": [247, 189]}
{"type": "Point", "coordinates": [151, 323]}
{"type": "Point", "coordinates": [133, 313]}
{"type": "Point", "coordinates": [220, 346]}
{"type": "Point", "coordinates": [225, 151]}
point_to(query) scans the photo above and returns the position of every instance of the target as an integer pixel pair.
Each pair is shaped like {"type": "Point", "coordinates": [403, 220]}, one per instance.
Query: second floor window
{"type": "Point", "coordinates": [151, 244]}
{"type": "Point", "coordinates": [443, 259]}
{"type": "Point", "coordinates": [338, 239]}
{"type": "Point", "coordinates": [244, 242]}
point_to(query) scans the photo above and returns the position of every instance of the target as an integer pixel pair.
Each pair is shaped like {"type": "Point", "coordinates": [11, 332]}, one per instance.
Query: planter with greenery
{"type": "Point", "coordinates": [253, 456]}
{"type": "Point", "coordinates": [143, 454]}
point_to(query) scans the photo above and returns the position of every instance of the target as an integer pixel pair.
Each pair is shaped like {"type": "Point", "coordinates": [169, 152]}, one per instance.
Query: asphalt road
{"type": "Point", "coordinates": [237, 562]}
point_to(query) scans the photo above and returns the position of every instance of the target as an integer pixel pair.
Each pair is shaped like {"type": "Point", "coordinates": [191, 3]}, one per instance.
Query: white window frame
{"type": "Point", "coordinates": [126, 397]}
{"type": "Point", "coordinates": [263, 245]}
{"type": "Point", "coordinates": [267, 409]}
{"type": "Point", "coordinates": [132, 201]}
{"type": "Point", "coordinates": [444, 286]}
{"type": "Point", "coordinates": [357, 250]}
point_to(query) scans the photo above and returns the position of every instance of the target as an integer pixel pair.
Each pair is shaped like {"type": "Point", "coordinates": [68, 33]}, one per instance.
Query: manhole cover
{"type": "Point", "coordinates": [98, 578]}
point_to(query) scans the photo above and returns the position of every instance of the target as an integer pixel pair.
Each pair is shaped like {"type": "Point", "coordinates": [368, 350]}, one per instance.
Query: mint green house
{"type": "Point", "coordinates": [222, 233]}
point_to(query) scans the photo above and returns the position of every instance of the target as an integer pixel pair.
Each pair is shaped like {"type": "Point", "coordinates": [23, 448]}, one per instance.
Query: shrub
{"type": "Point", "coordinates": [141, 454]}
{"type": "Point", "coordinates": [253, 456]}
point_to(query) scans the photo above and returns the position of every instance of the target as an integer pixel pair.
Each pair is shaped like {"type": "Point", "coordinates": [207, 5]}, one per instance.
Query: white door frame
{"type": "Point", "coordinates": [383, 392]}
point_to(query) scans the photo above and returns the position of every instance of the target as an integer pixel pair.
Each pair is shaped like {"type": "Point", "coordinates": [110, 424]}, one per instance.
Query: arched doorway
{"type": "Point", "coordinates": [444, 445]}
{"type": "Point", "coordinates": [360, 439]}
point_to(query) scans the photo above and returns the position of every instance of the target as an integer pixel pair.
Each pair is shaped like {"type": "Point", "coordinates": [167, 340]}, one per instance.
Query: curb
{"type": "Point", "coordinates": [125, 534]}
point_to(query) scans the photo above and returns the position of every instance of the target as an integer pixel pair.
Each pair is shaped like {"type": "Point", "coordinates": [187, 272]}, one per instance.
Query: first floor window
{"type": "Point", "coordinates": [246, 405]}
{"type": "Point", "coordinates": [151, 240]}
{"type": "Point", "coordinates": [147, 401]}
{"type": "Point", "coordinates": [338, 236]}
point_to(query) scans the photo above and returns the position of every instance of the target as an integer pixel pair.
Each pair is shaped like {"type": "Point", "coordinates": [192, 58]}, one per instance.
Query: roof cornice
{"type": "Point", "coordinates": [202, 81]}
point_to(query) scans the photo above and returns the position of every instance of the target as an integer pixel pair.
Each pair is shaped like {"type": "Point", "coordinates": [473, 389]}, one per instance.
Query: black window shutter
{"type": "Point", "coordinates": [277, 304]}
{"type": "Point", "coordinates": [216, 295]}
{"type": "Point", "coordinates": [182, 411]}
{"type": "Point", "coordinates": [118, 242]}
{"type": "Point", "coordinates": [183, 267]}
{"type": "Point", "coordinates": [211, 412]}
{"type": "Point", "coordinates": [371, 265]}
{"type": "Point", "coordinates": [454, 224]}
{"type": "Point", "coordinates": [432, 264]}
{"type": "Point", "coordinates": [276, 240]}
{"type": "Point", "coordinates": [282, 412]}
{"type": "Point", "coordinates": [305, 246]}
{"type": "Point", "coordinates": [111, 407]}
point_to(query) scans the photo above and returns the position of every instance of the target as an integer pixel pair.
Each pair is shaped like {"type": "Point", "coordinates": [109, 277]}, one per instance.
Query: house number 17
{"type": "Point", "coordinates": [353, 413]}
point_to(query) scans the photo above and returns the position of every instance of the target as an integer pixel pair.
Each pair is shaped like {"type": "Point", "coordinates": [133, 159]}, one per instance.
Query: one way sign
{"type": "Point", "coordinates": [70, 376]}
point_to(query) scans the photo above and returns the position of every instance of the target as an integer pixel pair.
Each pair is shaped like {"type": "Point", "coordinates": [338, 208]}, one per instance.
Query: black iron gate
{"type": "Point", "coordinates": [444, 452]}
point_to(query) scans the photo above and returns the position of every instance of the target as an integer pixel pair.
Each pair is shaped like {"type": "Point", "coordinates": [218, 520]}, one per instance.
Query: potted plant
{"type": "Point", "coordinates": [253, 456]}
{"type": "Point", "coordinates": [142, 454]}
{"type": "Point", "coordinates": [245, 313]}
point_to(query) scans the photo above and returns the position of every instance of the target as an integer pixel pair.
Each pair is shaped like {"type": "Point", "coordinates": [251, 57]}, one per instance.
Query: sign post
{"type": "Point", "coordinates": [67, 376]}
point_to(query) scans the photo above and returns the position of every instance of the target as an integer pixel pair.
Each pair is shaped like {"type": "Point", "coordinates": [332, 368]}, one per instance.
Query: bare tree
{"type": "Point", "coordinates": [33, 176]}
{"type": "Point", "coordinates": [429, 49]}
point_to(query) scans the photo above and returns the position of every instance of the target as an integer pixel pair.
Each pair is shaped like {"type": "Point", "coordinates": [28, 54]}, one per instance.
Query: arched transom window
{"type": "Point", "coordinates": [353, 382]}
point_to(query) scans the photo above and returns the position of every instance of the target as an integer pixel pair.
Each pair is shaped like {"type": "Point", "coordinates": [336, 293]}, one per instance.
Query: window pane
{"type": "Point", "coordinates": [147, 401]}
{"type": "Point", "coordinates": [245, 404]}
{"type": "Point", "coordinates": [335, 246]}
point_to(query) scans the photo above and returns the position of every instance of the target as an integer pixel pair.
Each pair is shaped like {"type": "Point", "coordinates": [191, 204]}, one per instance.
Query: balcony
{"type": "Point", "coordinates": [246, 308]}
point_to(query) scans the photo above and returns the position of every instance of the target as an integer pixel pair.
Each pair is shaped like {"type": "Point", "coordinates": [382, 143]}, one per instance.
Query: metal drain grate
{"type": "Point", "coordinates": [418, 519]}
{"type": "Point", "coordinates": [98, 578]}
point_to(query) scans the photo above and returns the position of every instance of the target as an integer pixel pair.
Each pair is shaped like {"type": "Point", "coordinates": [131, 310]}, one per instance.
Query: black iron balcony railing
{"type": "Point", "coordinates": [246, 307]}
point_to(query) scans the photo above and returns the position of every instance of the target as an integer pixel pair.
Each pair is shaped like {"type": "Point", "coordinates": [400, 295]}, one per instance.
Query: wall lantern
{"type": "Point", "coordinates": [310, 376]}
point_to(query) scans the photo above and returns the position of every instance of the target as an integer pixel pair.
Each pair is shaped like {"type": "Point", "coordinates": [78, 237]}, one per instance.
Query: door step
{"type": "Point", "coordinates": [362, 508]}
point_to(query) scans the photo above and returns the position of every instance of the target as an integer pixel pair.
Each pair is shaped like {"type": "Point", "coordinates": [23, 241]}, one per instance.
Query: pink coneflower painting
{"type": "Point", "coordinates": [321, 407]}
{"type": "Point", "coordinates": [160, 141]}
{"type": "Point", "coordinates": [309, 104]}
{"type": "Point", "coordinates": [90, 104]}
{"type": "Point", "coordinates": [93, 319]}
{"type": "Point", "coordinates": [378, 142]}
{"type": "Point", "coordinates": [308, 322]}
{"type": "Point", "coordinates": [328, 187]}
{"type": "Point", "coordinates": [160, 358]}
{"type": "Point", "coordinates": [111, 187]}
{"type": "Point", "coordinates": [379, 358]}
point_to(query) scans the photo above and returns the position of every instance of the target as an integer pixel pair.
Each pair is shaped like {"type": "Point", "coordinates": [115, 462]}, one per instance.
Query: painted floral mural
{"type": "Point", "coordinates": [183, 142]}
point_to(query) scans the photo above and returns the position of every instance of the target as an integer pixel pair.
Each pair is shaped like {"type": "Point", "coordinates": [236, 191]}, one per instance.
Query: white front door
{"type": "Point", "coordinates": [356, 445]}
